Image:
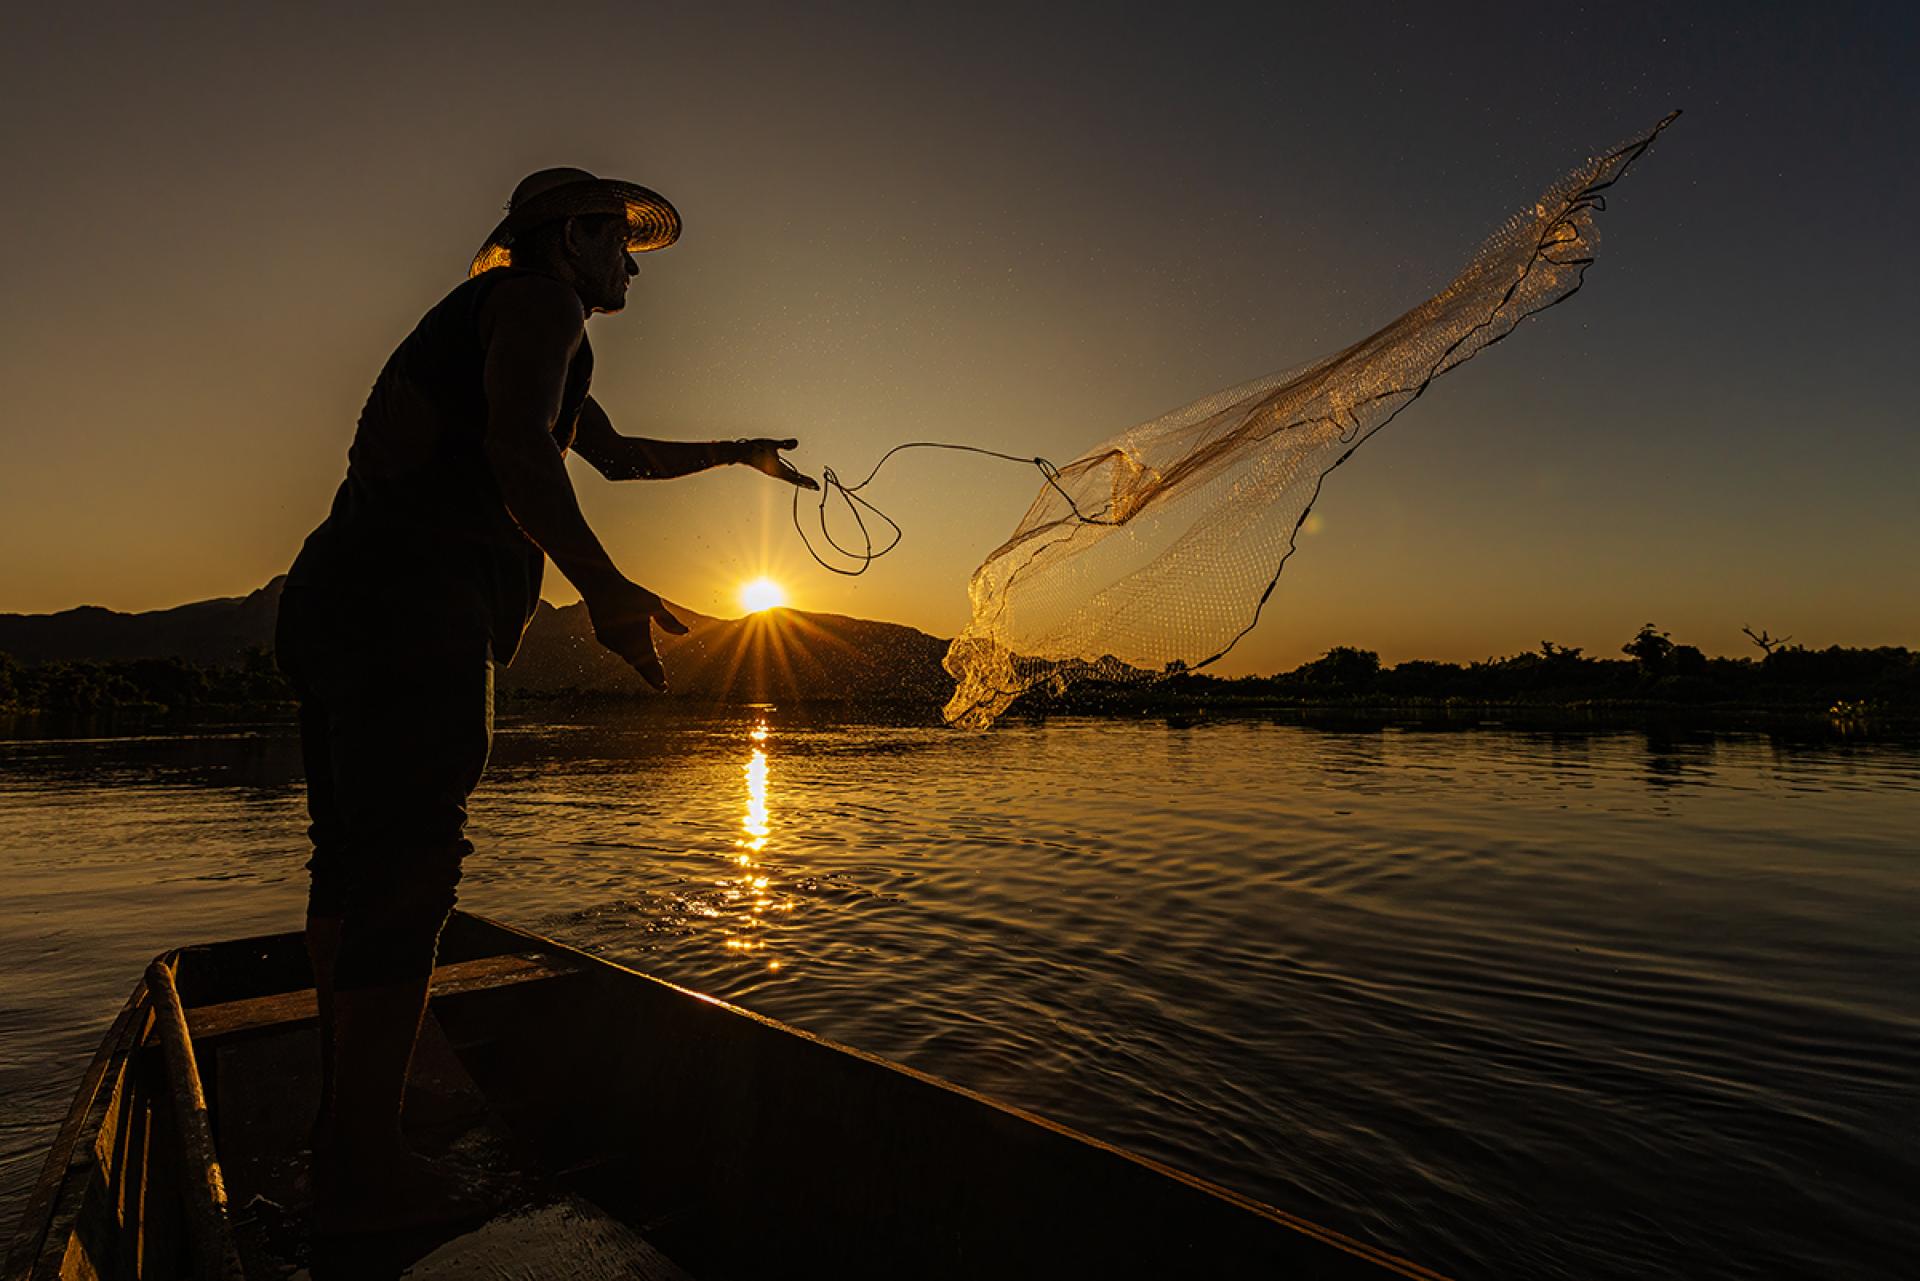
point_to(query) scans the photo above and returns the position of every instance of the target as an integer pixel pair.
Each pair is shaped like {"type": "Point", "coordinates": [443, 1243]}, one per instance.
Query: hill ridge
{"type": "Point", "coordinates": [780, 654]}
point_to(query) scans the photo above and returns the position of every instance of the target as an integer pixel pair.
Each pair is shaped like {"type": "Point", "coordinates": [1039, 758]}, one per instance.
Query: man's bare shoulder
{"type": "Point", "coordinates": [532, 307]}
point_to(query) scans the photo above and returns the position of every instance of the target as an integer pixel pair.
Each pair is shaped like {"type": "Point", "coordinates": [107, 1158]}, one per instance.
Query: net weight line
{"type": "Point", "coordinates": [831, 484]}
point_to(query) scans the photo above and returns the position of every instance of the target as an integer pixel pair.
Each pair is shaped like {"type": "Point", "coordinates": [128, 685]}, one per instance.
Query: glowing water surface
{"type": "Point", "coordinates": [1512, 1003]}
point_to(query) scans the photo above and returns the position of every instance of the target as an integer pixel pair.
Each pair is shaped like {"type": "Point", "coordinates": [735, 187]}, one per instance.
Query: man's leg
{"type": "Point", "coordinates": [303, 655]}
{"type": "Point", "coordinates": [387, 948]}
{"type": "Point", "coordinates": [370, 1179]}
{"type": "Point", "coordinates": [323, 954]}
{"type": "Point", "coordinates": [409, 747]}
{"type": "Point", "coordinates": [376, 1028]}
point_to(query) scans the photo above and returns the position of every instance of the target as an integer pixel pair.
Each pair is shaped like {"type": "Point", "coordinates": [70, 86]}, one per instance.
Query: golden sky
{"type": "Point", "coordinates": [974, 225]}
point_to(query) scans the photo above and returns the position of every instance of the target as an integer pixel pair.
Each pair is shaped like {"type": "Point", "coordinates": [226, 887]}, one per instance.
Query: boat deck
{"type": "Point", "coordinates": [545, 1226]}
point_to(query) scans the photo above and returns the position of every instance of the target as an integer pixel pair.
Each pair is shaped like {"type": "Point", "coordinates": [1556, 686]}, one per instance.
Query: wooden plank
{"type": "Point", "coordinates": [287, 1008]}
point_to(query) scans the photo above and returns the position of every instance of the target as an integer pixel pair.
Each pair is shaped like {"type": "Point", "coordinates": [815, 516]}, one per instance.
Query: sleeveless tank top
{"type": "Point", "coordinates": [418, 531]}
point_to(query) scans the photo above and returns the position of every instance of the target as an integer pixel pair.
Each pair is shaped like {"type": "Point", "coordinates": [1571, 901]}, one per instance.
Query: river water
{"type": "Point", "coordinates": [1511, 1003]}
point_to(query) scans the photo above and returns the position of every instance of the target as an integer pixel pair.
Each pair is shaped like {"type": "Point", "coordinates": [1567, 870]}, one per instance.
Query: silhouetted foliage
{"type": "Point", "coordinates": [1343, 668]}
{"type": "Point", "coordinates": [1651, 648]}
{"type": "Point", "coordinates": [169, 685]}
{"type": "Point", "coordinates": [1685, 660]}
{"type": "Point", "coordinates": [1766, 643]}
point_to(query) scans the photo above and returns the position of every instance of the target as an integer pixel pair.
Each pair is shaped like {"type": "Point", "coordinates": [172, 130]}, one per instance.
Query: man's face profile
{"type": "Point", "coordinates": [604, 265]}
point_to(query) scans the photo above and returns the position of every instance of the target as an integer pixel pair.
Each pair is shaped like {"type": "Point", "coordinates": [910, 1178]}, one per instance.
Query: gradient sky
{"type": "Point", "coordinates": [1019, 227]}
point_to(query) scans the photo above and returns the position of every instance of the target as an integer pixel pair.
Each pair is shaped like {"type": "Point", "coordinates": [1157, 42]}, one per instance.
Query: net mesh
{"type": "Point", "coordinates": [1155, 551]}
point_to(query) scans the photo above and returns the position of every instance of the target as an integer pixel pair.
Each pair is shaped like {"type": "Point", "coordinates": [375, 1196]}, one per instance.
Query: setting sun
{"type": "Point", "coordinates": [762, 593]}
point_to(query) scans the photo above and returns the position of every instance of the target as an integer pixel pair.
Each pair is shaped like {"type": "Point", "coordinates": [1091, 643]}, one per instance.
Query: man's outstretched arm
{"type": "Point", "coordinates": [532, 328]}
{"type": "Point", "coordinates": [620, 457]}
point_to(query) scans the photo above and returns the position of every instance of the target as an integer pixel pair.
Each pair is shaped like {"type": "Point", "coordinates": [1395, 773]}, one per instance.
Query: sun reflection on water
{"type": "Point", "coordinates": [750, 889]}
{"type": "Point", "coordinates": [757, 827]}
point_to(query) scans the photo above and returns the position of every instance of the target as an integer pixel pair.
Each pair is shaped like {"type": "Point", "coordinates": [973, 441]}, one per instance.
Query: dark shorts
{"type": "Point", "coordinates": [396, 720]}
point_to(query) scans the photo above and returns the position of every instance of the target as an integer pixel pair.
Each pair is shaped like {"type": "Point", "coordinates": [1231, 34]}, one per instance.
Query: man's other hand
{"type": "Point", "coordinates": [764, 455]}
{"type": "Point", "coordinates": [623, 615]}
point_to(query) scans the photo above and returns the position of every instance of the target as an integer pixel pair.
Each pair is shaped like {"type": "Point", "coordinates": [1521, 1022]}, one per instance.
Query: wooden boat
{"type": "Point", "coordinates": [653, 1132]}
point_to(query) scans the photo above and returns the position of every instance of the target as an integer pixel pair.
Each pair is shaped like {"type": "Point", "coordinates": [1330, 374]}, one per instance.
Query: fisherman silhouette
{"type": "Point", "coordinates": [421, 578]}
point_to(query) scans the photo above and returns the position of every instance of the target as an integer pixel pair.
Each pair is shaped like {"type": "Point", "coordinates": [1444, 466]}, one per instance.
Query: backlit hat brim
{"type": "Point", "coordinates": [652, 221]}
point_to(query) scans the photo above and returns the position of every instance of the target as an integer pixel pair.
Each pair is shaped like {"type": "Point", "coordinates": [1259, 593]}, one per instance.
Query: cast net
{"type": "Point", "coordinates": [1155, 551]}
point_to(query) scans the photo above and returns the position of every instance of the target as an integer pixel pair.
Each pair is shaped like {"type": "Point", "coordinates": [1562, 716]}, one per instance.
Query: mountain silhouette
{"type": "Point", "coordinates": [778, 655]}
{"type": "Point", "coordinates": [211, 633]}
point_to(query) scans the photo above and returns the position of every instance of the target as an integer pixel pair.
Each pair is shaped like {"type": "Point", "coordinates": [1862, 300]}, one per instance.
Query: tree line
{"type": "Point", "coordinates": [1652, 670]}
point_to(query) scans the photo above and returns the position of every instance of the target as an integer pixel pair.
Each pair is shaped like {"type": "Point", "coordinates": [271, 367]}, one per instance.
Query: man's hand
{"type": "Point", "coordinates": [764, 455]}
{"type": "Point", "coordinates": [623, 615]}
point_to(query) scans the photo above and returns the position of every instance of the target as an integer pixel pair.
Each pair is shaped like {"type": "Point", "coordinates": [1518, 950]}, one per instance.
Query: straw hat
{"type": "Point", "coordinates": [553, 194]}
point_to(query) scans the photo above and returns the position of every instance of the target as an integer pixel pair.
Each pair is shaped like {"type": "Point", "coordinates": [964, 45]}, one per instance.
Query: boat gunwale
{"type": "Point", "coordinates": [202, 1182]}
{"type": "Point", "coordinates": [82, 1122]}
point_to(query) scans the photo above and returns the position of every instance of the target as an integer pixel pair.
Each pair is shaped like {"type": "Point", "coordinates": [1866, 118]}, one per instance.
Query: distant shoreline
{"type": "Point", "coordinates": [1655, 677]}
{"type": "Point", "coordinates": [1794, 719]}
